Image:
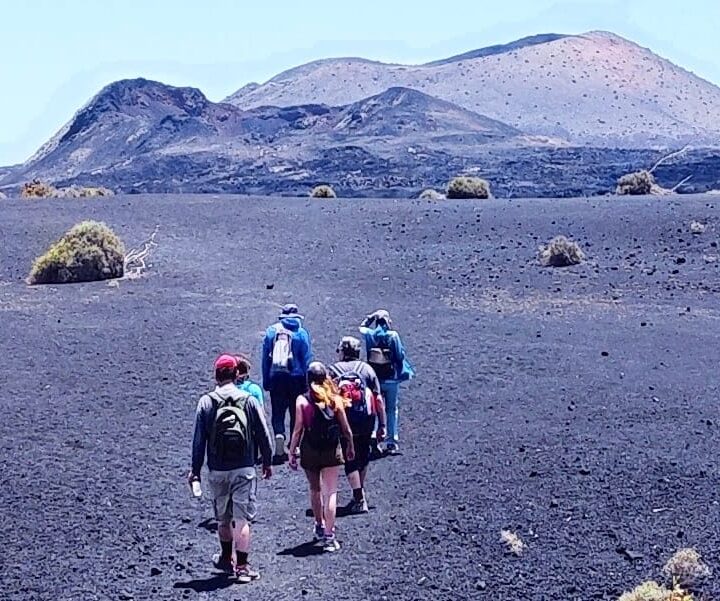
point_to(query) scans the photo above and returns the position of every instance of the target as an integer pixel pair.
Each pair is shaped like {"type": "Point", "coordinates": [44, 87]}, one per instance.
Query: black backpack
{"type": "Point", "coordinates": [324, 433]}
{"type": "Point", "coordinates": [380, 358]}
{"type": "Point", "coordinates": [230, 431]}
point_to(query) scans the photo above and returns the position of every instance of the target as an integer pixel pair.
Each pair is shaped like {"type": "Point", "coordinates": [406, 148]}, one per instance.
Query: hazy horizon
{"type": "Point", "coordinates": [220, 47]}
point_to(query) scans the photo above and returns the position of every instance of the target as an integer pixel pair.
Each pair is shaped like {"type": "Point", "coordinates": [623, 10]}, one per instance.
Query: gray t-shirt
{"type": "Point", "coordinates": [362, 369]}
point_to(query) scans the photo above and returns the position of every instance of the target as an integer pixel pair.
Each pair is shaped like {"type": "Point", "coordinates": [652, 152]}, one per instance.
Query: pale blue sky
{"type": "Point", "coordinates": [56, 54]}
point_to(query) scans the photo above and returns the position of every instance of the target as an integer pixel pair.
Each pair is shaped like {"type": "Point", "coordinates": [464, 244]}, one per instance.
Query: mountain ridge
{"type": "Point", "coordinates": [595, 88]}
{"type": "Point", "coordinates": [143, 135]}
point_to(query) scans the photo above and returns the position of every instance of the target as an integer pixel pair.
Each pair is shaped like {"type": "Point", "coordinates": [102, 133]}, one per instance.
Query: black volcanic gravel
{"type": "Point", "coordinates": [576, 407]}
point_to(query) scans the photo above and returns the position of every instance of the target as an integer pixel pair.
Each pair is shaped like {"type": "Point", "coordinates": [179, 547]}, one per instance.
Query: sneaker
{"type": "Point", "coordinates": [331, 544]}
{"type": "Point", "coordinates": [279, 445]}
{"type": "Point", "coordinates": [356, 507]}
{"type": "Point", "coordinates": [318, 532]}
{"type": "Point", "coordinates": [391, 448]}
{"type": "Point", "coordinates": [245, 574]}
{"type": "Point", "coordinates": [223, 564]}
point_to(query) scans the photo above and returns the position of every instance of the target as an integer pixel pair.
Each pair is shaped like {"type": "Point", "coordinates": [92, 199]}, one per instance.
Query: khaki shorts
{"type": "Point", "coordinates": [233, 493]}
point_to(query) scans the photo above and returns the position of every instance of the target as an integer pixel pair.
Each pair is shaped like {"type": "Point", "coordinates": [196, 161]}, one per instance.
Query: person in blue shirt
{"type": "Point", "coordinates": [386, 355]}
{"type": "Point", "coordinates": [285, 384]}
{"type": "Point", "coordinates": [244, 382]}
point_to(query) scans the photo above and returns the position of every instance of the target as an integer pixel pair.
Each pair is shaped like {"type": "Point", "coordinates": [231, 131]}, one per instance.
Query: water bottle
{"type": "Point", "coordinates": [196, 490]}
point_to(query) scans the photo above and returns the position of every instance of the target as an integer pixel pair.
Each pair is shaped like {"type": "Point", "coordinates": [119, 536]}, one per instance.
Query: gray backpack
{"type": "Point", "coordinates": [281, 355]}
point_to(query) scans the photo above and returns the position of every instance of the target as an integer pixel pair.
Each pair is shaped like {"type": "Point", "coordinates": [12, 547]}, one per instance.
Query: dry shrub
{"type": "Point", "coordinates": [561, 252]}
{"type": "Point", "coordinates": [323, 191]}
{"type": "Point", "coordinates": [686, 568]}
{"type": "Point", "coordinates": [431, 194]}
{"type": "Point", "coordinates": [513, 542]}
{"type": "Point", "coordinates": [84, 192]}
{"type": "Point", "coordinates": [468, 187]}
{"type": "Point", "coordinates": [652, 591]}
{"type": "Point", "coordinates": [697, 228]}
{"type": "Point", "coordinates": [89, 251]}
{"type": "Point", "coordinates": [38, 189]}
{"type": "Point", "coordinates": [635, 184]}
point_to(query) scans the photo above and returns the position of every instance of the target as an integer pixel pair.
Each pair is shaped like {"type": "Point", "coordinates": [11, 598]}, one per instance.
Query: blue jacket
{"type": "Point", "coordinates": [385, 337]}
{"type": "Point", "coordinates": [252, 389]}
{"type": "Point", "coordinates": [301, 350]}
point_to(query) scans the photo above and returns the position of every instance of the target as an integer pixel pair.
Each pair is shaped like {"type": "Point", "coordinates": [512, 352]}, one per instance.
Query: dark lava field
{"type": "Point", "coordinates": [577, 408]}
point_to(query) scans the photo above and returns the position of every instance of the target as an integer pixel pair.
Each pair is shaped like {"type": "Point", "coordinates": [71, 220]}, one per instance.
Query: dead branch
{"type": "Point", "coordinates": [680, 183]}
{"type": "Point", "coordinates": [135, 259]}
{"type": "Point", "coordinates": [672, 155]}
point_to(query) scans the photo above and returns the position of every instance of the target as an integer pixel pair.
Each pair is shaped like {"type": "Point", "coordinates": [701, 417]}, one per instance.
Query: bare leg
{"type": "Point", "coordinates": [363, 476]}
{"type": "Point", "coordinates": [355, 480]}
{"type": "Point", "coordinates": [242, 536]}
{"type": "Point", "coordinates": [328, 483]}
{"type": "Point", "coordinates": [315, 495]}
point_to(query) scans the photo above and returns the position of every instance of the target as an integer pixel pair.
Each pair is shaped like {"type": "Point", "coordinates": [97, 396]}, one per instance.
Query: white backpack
{"type": "Point", "coordinates": [281, 351]}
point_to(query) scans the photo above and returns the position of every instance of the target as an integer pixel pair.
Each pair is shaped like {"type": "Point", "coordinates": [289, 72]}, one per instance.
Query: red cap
{"type": "Point", "coordinates": [225, 362]}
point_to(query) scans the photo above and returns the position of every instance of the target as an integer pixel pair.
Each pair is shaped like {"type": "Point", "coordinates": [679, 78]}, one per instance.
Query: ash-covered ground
{"type": "Point", "coordinates": [575, 407]}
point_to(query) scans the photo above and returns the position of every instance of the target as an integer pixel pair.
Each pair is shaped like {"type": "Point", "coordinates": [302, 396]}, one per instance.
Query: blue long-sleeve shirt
{"type": "Point", "coordinates": [301, 350]}
{"type": "Point", "coordinates": [261, 440]}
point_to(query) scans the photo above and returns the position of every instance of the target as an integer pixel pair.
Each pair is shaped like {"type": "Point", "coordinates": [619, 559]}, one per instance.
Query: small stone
{"type": "Point", "coordinates": [481, 585]}
{"type": "Point", "coordinates": [269, 286]}
{"type": "Point", "coordinates": [584, 471]}
{"type": "Point", "coordinates": [605, 354]}
{"type": "Point", "coordinates": [155, 571]}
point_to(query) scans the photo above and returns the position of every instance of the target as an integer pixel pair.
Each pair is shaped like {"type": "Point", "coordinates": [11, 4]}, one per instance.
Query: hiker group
{"type": "Point", "coordinates": [340, 414]}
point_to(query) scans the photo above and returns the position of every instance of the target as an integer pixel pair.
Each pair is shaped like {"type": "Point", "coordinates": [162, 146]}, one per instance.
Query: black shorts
{"type": "Point", "coordinates": [362, 444]}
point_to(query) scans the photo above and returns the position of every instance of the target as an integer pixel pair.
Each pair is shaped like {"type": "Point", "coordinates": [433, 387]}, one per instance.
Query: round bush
{"type": "Point", "coordinates": [636, 184]}
{"type": "Point", "coordinates": [38, 189]}
{"type": "Point", "coordinates": [90, 251]}
{"type": "Point", "coordinates": [323, 191]}
{"type": "Point", "coordinates": [561, 252]}
{"type": "Point", "coordinates": [468, 187]}
{"type": "Point", "coordinates": [431, 194]}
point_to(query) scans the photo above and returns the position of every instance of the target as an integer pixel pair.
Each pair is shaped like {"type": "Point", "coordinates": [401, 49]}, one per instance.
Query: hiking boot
{"type": "Point", "coordinates": [224, 564]}
{"type": "Point", "coordinates": [330, 544]}
{"type": "Point", "coordinates": [318, 532]}
{"type": "Point", "coordinates": [357, 507]}
{"type": "Point", "coordinates": [245, 574]}
{"type": "Point", "coordinates": [375, 451]}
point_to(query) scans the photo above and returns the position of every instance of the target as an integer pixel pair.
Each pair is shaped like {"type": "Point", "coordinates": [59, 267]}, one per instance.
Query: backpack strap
{"type": "Point", "coordinates": [335, 370]}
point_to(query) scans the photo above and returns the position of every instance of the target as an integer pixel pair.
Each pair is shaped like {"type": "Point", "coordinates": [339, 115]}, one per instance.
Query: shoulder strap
{"type": "Point", "coordinates": [335, 370]}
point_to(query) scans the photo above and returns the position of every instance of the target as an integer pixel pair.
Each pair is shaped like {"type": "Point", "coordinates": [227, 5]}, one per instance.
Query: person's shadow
{"type": "Point", "coordinates": [303, 550]}
{"type": "Point", "coordinates": [210, 524]}
{"type": "Point", "coordinates": [208, 585]}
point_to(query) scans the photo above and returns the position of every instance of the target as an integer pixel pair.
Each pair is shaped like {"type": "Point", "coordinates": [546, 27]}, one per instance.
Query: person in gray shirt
{"type": "Point", "coordinates": [365, 406]}
{"type": "Point", "coordinates": [230, 427]}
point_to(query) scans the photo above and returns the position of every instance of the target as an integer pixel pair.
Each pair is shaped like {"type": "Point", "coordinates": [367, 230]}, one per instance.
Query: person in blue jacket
{"type": "Point", "coordinates": [386, 355]}
{"type": "Point", "coordinates": [244, 382]}
{"type": "Point", "coordinates": [285, 380]}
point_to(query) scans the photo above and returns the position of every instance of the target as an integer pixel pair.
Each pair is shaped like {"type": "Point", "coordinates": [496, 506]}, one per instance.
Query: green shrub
{"type": "Point", "coordinates": [323, 191]}
{"type": "Point", "coordinates": [431, 194]}
{"type": "Point", "coordinates": [635, 184]}
{"type": "Point", "coordinates": [647, 591]}
{"type": "Point", "coordinates": [561, 252]}
{"type": "Point", "coordinates": [89, 251]}
{"type": "Point", "coordinates": [468, 187]}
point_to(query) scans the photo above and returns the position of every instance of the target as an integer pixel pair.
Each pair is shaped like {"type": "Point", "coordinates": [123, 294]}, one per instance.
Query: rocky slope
{"type": "Point", "coordinates": [596, 88]}
{"type": "Point", "coordinates": [535, 117]}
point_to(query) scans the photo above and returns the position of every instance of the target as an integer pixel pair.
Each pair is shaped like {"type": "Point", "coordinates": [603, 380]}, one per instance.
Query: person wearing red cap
{"type": "Point", "coordinates": [230, 427]}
